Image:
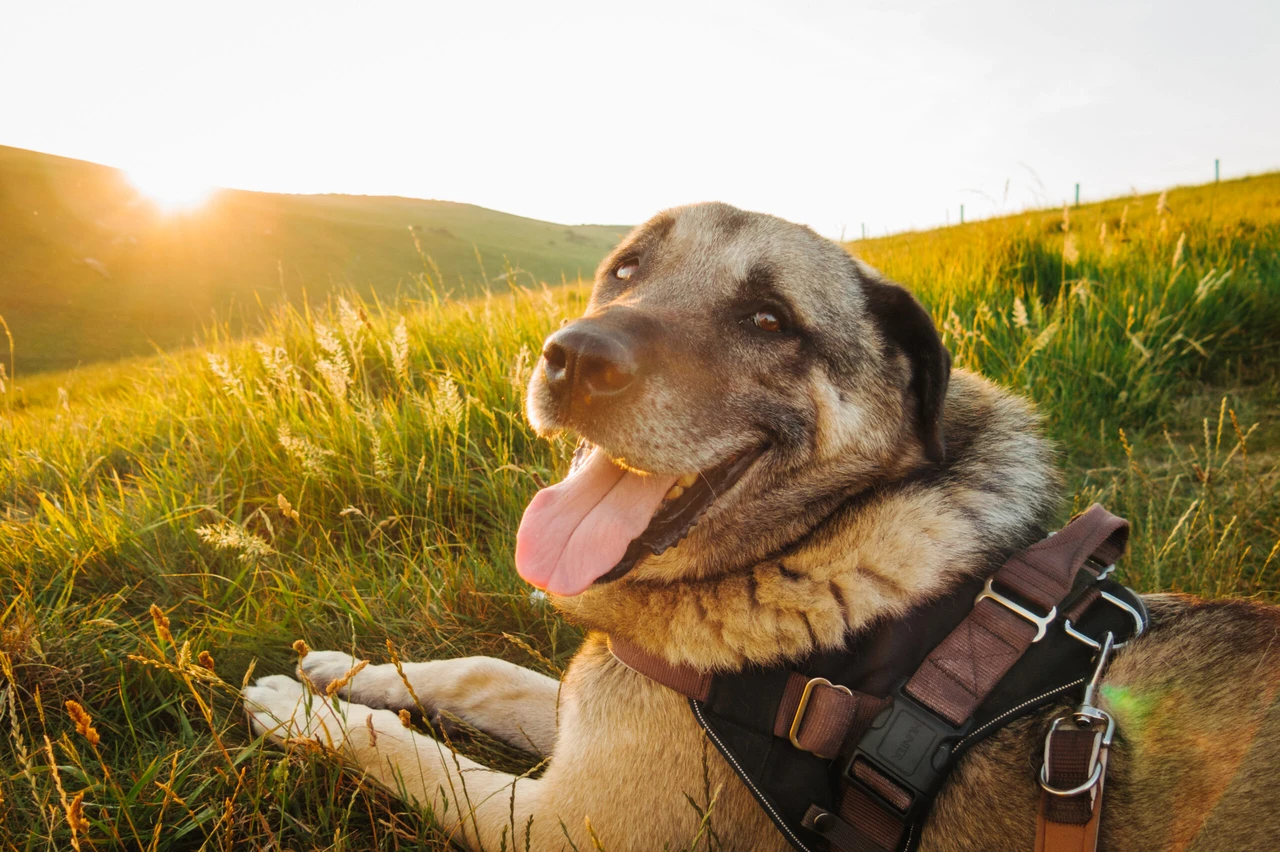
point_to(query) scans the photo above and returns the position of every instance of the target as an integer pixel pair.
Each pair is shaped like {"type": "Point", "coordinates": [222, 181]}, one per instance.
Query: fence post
{"type": "Point", "coordinates": [1215, 169]}
{"type": "Point", "coordinates": [961, 214]}
{"type": "Point", "coordinates": [1077, 195]}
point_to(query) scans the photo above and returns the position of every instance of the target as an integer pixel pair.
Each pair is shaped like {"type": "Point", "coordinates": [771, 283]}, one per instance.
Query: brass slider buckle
{"type": "Point", "coordinates": [1041, 622]}
{"type": "Point", "coordinates": [794, 734]}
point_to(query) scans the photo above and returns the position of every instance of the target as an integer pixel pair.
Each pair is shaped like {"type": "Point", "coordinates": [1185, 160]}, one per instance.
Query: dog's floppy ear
{"type": "Point", "coordinates": [908, 326]}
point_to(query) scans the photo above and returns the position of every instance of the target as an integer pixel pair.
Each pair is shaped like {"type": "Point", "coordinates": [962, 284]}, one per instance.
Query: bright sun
{"type": "Point", "coordinates": [172, 187]}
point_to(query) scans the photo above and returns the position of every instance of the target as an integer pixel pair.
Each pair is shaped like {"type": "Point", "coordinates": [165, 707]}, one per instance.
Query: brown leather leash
{"type": "Point", "coordinates": [1075, 771]}
{"type": "Point", "coordinates": [894, 745]}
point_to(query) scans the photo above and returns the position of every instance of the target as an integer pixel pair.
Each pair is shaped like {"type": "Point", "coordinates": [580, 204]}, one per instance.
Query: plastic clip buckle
{"type": "Point", "coordinates": [911, 746]}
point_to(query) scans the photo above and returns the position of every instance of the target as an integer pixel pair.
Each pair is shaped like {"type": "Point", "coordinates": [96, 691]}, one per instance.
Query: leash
{"type": "Point", "coordinates": [896, 749]}
{"type": "Point", "coordinates": [1075, 770]}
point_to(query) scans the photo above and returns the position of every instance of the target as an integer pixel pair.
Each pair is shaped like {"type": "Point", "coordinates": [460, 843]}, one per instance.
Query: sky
{"type": "Point", "coordinates": [836, 114]}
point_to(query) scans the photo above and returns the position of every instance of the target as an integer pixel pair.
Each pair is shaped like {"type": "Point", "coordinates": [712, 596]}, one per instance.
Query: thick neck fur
{"type": "Point", "coordinates": [886, 550]}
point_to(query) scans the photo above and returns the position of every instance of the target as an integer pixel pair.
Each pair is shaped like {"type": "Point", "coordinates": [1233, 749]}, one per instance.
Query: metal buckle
{"type": "Point", "coordinates": [1086, 715]}
{"type": "Point", "coordinates": [1104, 571]}
{"type": "Point", "coordinates": [1095, 774]}
{"type": "Point", "coordinates": [1138, 624]}
{"type": "Point", "coordinates": [1041, 622]}
{"type": "Point", "coordinates": [804, 705]}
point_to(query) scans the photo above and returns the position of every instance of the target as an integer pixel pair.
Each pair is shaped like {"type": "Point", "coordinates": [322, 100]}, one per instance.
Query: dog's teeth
{"type": "Point", "coordinates": [687, 480]}
{"type": "Point", "coordinates": [675, 493]}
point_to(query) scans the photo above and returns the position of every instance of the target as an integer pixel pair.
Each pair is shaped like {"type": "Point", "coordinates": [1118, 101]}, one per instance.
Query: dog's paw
{"type": "Point", "coordinates": [373, 686]}
{"type": "Point", "coordinates": [321, 668]}
{"type": "Point", "coordinates": [285, 710]}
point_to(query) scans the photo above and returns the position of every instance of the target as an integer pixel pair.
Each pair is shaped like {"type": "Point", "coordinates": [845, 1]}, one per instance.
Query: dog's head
{"type": "Point", "coordinates": [733, 377]}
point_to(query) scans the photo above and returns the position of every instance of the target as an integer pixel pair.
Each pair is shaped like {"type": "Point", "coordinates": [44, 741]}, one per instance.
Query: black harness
{"type": "Point", "coordinates": [888, 766]}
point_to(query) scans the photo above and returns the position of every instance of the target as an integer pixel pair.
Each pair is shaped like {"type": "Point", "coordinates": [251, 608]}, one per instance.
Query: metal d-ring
{"type": "Point", "coordinates": [1139, 626]}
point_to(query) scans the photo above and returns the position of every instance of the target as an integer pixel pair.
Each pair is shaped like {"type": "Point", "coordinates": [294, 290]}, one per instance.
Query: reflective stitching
{"type": "Point", "coordinates": [1041, 697]}
{"type": "Point", "coordinates": [746, 779]}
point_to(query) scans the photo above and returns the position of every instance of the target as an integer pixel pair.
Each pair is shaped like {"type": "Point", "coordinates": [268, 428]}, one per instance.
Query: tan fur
{"type": "Point", "coordinates": [841, 527]}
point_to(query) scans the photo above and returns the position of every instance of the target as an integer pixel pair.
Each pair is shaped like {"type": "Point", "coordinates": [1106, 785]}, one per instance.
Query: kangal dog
{"type": "Point", "coordinates": [775, 451]}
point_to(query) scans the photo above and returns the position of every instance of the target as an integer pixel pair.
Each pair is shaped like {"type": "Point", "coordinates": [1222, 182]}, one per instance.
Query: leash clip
{"type": "Point", "coordinates": [1086, 716]}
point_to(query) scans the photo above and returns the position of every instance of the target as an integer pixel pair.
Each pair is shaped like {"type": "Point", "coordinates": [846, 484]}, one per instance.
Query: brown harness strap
{"type": "Point", "coordinates": [957, 676]}
{"type": "Point", "coordinates": [1045, 571]}
{"type": "Point", "coordinates": [815, 714]}
{"type": "Point", "coordinates": [864, 824]}
{"type": "Point", "coordinates": [953, 682]}
{"type": "Point", "coordinates": [1082, 604]}
{"type": "Point", "coordinates": [960, 673]}
{"type": "Point", "coordinates": [686, 680]}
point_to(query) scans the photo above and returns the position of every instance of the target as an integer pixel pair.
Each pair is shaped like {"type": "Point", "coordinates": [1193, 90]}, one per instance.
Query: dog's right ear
{"type": "Point", "coordinates": [907, 326]}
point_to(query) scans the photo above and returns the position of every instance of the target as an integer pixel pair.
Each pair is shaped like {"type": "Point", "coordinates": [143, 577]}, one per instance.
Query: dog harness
{"type": "Point", "coordinates": [846, 750]}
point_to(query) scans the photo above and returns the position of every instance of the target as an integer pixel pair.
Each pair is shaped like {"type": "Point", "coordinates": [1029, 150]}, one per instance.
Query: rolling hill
{"type": "Point", "coordinates": [92, 271]}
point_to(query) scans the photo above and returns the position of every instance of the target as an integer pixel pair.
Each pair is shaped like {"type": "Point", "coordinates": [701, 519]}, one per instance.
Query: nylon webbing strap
{"type": "Point", "coordinates": [960, 673]}
{"type": "Point", "coordinates": [863, 824]}
{"type": "Point", "coordinates": [821, 721]}
{"type": "Point", "coordinates": [686, 680]}
{"type": "Point", "coordinates": [1082, 604]}
{"type": "Point", "coordinates": [953, 682]}
{"type": "Point", "coordinates": [1044, 572]}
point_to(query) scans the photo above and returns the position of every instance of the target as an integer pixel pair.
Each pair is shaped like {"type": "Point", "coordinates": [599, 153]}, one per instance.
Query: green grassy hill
{"type": "Point", "coordinates": [91, 271]}
{"type": "Point", "coordinates": [1150, 346]}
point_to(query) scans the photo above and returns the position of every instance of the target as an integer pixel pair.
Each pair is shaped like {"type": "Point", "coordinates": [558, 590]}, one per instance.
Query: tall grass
{"type": "Point", "coordinates": [354, 477]}
{"type": "Point", "coordinates": [1103, 313]}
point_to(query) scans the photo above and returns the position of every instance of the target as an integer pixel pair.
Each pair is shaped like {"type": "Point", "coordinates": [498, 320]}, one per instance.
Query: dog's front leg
{"type": "Point", "coordinates": [483, 808]}
{"type": "Point", "coordinates": [502, 699]}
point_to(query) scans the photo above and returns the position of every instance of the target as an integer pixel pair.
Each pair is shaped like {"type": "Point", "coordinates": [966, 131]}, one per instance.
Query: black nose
{"type": "Point", "coordinates": [583, 360]}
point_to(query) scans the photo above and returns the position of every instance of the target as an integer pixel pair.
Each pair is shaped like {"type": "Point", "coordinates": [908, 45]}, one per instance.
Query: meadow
{"type": "Point", "coordinates": [353, 477]}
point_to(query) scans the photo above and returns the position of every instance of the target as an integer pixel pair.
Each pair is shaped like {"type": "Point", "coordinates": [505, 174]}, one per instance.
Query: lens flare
{"type": "Point", "coordinates": [172, 187]}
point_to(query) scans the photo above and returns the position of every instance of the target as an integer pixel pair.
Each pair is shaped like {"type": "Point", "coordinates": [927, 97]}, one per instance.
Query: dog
{"type": "Point", "coordinates": [778, 427]}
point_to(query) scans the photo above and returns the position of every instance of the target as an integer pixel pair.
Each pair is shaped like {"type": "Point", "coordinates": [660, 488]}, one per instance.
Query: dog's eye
{"type": "Point", "coordinates": [626, 269]}
{"type": "Point", "coordinates": [766, 321]}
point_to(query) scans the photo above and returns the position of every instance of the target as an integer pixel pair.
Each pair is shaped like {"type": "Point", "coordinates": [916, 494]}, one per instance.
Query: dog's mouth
{"type": "Point", "coordinates": [603, 519]}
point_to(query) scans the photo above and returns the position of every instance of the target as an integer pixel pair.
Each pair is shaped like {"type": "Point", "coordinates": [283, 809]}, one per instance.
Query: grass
{"type": "Point", "coordinates": [393, 431]}
{"type": "Point", "coordinates": [91, 271]}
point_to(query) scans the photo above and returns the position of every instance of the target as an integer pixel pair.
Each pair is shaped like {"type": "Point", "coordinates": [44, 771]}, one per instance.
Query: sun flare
{"type": "Point", "coordinates": [171, 187]}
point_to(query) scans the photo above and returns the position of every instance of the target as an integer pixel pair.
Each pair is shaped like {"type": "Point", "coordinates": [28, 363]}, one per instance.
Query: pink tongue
{"type": "Point", "coordinates": [575, 531]}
